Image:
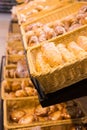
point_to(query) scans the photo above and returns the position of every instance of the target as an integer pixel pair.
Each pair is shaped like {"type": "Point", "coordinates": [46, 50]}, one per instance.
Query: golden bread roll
{"type": "Point", "coordinates": [10, 95]}
{"type": "Point", "coordinates": [56, 116]}
{"type": "Point", "coordinates": [40, 111]}
{"type": "Point", "coordinates": [77, 50]}
{"type": "Point", "coordinates": [16, 115]}
{"type": "Point", "coordinates": [20, 93]}
{"type": "Point", "coordinates": [26, 119]}
{"type": "Point", "coordinates": [50, 33]}
{"type": "Point", "coordinates": [82, 42]}
{"type": "Point", "coordinates": [51, 54]}
{"type": "Point", "coordinates": [7, 86]}
{"type": "Point", "coordinates": [40, 64]}
{"type": "Point", "coordinates": [66, 54]}
{"type": "Point", "coordinates": [30, 91]}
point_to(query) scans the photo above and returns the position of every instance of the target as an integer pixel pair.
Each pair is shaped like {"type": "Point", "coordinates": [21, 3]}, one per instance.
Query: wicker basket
{"type": "Point", "coordinates": [51, 7]}
{"type": "Point", "coordinates": [14, 41]}
{"type": "Point", "coordinates": [60, 77]}
{"type": "Point", "coordinates": [31, 104]}
{"type": "Point", "coordinates": [51, 127]}
{"type": "Point", "coordinates": [30, 6]}
{"type": "Point", "coordinates": [3, 92]}
{"type": "Point", "coordinates": [56, 15]}
{"type": "Point", "coordinates": [13, 59]}
{"type": "Point", "coordinates": [9, 67]}
{"type": "Point", "coordinates": [16, 50]}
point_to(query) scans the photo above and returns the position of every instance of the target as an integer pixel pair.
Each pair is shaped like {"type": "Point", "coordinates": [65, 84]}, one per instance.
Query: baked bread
{"type": "Point", "coordinates": [41, 65]}
{"type": "Point", "coordinates": [82, 42]}
{"type": "Point", "coordinates": [77, 50]}
{"type": "Point", "coordinates": [66, 54]}
{"type": "Point", "coordinates": [51, 54]}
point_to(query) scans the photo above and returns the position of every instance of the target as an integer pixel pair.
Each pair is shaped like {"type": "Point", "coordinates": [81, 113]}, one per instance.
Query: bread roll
{"type": "Point", "coordinates": [40, 64]}
{"type": "Point", "coordinates": [82, 42]}
{"type": "Point", "coordinates": [66, 54]}
{"type": "Point", "coordinates": [51, 54]}
{"type": "Point", "coordinates": [78, 51]}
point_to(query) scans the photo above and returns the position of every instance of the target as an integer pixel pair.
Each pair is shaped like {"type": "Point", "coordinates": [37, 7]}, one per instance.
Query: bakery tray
{"type": "Point", "coordinates": [71, 92]}
{"type": "Point", "coordinates": [56, 15]}
{"type": "Point", "coordinates": [31, 105]}
{"type": "Point", "coordinates": [13, 59]}
{"type": "Point", "coordinates": [56, 5]}
{"type": "Point", "coordinates": [53, 127]}
{"type": "Point", "coordinates": [49, 19]}
{"type": "Point", "coordinates": [5, 94]}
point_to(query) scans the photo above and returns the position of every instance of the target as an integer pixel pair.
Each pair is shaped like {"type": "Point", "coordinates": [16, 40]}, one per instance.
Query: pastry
{"type": "Point", "coordinates": [21, 93]}
{"type": "Point", "coordinates": [56, 116]}
{"type": "Point", "coordinates": [16, 115]}
{"type": "Point", "coordinates": [82, 42]}
{"type": "Point", "coordinates": [41, 65]}
{"type": "Point", "coordinates": [51, 55]}
{"type": "Point", "coordinates": [66, 54]}
{"type": "Point", "coordinates": [77, 50]}
{"type": "Point", "coordinates": [26, 119]}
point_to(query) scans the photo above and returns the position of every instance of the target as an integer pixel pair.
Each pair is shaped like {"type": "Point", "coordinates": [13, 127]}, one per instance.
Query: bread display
{"type": "Point", "coordinates": [18, 89]}
{"type": "Point", "coordinates": [34, 114]}
{"type": "Point", "coordinates": [14, 44]}
{"type": "Point", "coordinates": [60, 56]}
{"type": "Point", "coordinates": [15, 51]}
{"type": "Point", "coordinates": [40, 9]}
{"type": "Point", "coordinates": [29, 4]}
{"type": "Point", "coordinates": [14, 59]}
{"type": "Point", "coordinates": [49, 54]}
{"type": "Point", "coordinates": [35, 33]}
{"type": "Point", "coordinates": [18, 71]}
{"type": "Point", "coordinates": [24, 16]}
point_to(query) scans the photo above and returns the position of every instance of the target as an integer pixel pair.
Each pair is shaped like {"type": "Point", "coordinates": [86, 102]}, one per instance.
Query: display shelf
{"type": "Point", "coordinates": [71, 92]}
{"type": "Point", "coordinates": [81, 126]}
